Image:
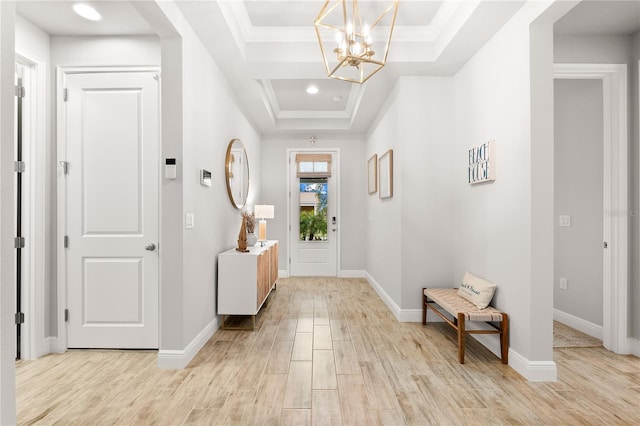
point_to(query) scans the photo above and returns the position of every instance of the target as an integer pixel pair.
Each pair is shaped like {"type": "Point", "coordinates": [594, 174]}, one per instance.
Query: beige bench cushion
{"type": "Point", "coordinates": [449, 300]}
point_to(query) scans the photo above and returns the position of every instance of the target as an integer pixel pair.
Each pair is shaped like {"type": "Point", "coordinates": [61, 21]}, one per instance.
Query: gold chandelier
{"type": "Point", "coordinates": [354, 37]}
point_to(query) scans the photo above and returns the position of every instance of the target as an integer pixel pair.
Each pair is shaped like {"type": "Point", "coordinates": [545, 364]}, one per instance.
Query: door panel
{"type": "Point", "coordinates": [112, 209]}
{"type": "Point", "coordinates": [113, 152]}
{"type": "Point", "coordinates": [104, 277]}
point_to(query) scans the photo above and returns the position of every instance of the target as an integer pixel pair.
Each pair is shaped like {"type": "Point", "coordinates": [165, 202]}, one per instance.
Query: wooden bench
{"type": "Point", "coordinates": [464, 311]}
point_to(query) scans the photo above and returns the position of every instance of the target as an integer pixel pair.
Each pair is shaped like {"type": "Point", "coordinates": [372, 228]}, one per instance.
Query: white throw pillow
{"type": "Point", "coordinates": [476, 290]}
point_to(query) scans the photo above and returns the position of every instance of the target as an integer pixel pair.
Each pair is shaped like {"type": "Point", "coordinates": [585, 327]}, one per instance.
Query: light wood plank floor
{"type": "Point", "coordinates": [327, 352]}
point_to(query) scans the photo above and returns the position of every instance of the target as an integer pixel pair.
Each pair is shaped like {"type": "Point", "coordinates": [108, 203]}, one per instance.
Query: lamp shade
{"type": "Point", "coordinates": [264, 211]}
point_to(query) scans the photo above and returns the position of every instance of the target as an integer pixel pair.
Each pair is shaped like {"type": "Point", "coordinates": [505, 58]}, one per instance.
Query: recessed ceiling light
{"type": "Point", "coordinates": [312, 90]}
{"type": "Point", "coordinates": [86, 11]}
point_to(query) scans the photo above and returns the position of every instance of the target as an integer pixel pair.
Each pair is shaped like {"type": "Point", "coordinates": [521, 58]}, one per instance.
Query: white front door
{"type": "Point", "coordinates": [314, 217]}
{"type": "Point", "coordinates": [111, 123]}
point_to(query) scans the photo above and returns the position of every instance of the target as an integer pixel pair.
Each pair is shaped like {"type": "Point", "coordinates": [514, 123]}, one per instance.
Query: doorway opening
{"type": "Point", "coordinates": [313, 213]}
{"type": "Point", "coordinates": [19, 169]}
{"type": "Point", "coordinates": [613, 247]}
{"type": "Point", "coordinates": [31, 209]}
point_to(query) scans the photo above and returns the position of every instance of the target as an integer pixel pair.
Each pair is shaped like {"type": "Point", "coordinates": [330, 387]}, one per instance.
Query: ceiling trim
{"type": "Point", "coordinates": [271, 103]}
{"type": "Point", "coordinates": [447, 21]}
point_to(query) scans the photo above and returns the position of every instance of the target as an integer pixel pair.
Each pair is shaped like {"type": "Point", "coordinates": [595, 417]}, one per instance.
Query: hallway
{"type": "Point", "coordinates": [326, 351]}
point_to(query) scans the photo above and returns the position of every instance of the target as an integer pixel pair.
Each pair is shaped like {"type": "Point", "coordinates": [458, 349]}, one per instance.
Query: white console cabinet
{"type": "Point", "coordinates": [246, 279]}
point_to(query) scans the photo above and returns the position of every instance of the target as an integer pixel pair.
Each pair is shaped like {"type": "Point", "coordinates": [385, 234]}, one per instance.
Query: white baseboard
{"type": "Point", "coordinates": [347, 273]}
{"type": "Point", "coordinates": [50, 346]}
{"type": "Point", "coordinates": [579, 324]}
{"type": "Point", "coordinates": [177, 359]}
{"type": "Point", "coordinates": [283, 273]}
{"type": "Point", "coordinates": [533, 371]}
{"type": "Point", "coordinates": [393, 307]}
{"type": "Point", "coordinates": [402, 315]}
{"type": "Point", "coordinates": [634, 346]}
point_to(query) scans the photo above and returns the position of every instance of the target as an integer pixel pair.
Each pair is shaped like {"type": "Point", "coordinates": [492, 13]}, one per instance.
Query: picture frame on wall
{"type": "Point", "coordinates": [372, 173]}
{"type": "Point", "coordinates": [385, 175]}
{"type": "Point", "coordinates": [482, 163]}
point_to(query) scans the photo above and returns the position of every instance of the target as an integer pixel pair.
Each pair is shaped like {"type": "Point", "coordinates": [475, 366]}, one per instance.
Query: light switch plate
{"type": "Point", "coordinates": [189, 221]}
{"type": "Point", "coordinates": [564, 220]}
{"type": "Point", "coordinates": [563, 284]}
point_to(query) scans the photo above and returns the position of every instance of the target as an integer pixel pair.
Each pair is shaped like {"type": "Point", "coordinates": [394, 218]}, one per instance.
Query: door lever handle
{"type": "Point", "coordinates": [150, 247]}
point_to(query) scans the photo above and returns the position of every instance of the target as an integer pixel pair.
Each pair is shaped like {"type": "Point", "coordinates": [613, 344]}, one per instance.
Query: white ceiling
{"type": "Point", "coordinates": [268, 50]}
{"type": "Point", "coordinates": [56, 17]}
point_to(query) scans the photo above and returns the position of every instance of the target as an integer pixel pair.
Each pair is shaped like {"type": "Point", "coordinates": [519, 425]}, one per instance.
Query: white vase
{"type": "Point", "coordinates": [251, 239]}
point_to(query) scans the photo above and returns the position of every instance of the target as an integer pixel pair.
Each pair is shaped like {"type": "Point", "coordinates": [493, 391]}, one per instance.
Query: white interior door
{"type": "Point", "coordinates": [314, 216]}
{"type": "Point", "coordinates": [111, 121]}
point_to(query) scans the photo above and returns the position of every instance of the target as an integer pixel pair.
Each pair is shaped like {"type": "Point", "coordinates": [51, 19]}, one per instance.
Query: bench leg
{"type": "Point", "coordinates": [504, 338]}
{"type": "Point", "coordinates": [461, 336]}
{"type": "Point", "coordinates": [424, 308]}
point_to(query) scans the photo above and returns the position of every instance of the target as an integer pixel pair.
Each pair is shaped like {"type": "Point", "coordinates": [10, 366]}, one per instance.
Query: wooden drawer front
{"type": "Point", "coordinates": [263, 277]}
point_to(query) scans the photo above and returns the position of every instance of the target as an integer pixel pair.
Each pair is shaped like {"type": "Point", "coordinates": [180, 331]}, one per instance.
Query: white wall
{"type": "Point", "coordinates": [383, 233]}
{"type": "Point", "coordinates": [212, 120]}
{"type": "Point", "coordinates": [200, 117]}
{"type": "Point", "coordinates": [492, 233]}
{"type": "Point", "coordinates": [105, 50]}
{"type": "Point", "coordinates": [426, 172]}
{"type": "Point", "coordinates": [578, 192]}
{"type": "Point", "coordinates": [412, 230]}
{"type": "Point", "coordinates": [353, 189]}
{"type": "Point", "coordinates": [598, 49]}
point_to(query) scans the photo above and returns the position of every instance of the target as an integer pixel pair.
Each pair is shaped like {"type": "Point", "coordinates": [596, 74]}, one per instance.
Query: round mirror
{"type": "Point", "coordinates": [236, 169]}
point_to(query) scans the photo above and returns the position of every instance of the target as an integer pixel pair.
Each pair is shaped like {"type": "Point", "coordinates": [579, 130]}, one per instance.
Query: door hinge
{"type": "Point", "coordinates": [65, 166]}
{"type": "Point", "coordinates": [19, 166]}
{"type": "Point", "coordinates": [65, 241]}
{"type": "Point", "coordinates": [19, 318]}
{"type": "Point", "coordinates": [606, 245]}
{"type": "Point", "coordinates": [289, 227]}
{"type": "Point", "coordinates": [66, 315]}
{"type": "Point", "coordinates": [18, 242]}
{"type": "Point", "coordinates": [20, 91]}
{"type": "Point", "coordinates": [65, 94]}
{"type": "Point", "coordinates": [289, 261]}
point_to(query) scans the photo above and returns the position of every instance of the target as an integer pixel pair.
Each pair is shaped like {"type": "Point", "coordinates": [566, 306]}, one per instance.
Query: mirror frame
{"type": "Point", "coordinates": [227, 171]}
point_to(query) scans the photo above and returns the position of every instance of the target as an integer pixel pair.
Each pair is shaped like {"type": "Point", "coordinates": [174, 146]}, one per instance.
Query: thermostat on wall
{"type": "Point", "coordinates": [205, 177]}
{"type": "Point", "coordinates": [170, 168]}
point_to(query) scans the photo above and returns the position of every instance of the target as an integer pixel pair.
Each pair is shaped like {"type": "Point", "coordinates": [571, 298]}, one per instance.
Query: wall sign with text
{"type": "Point", "coordinates": [482, 163]}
